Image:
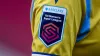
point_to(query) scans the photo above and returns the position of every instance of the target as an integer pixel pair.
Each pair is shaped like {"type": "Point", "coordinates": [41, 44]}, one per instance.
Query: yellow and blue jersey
{"type": "Point", "coordinates": [65, 27]}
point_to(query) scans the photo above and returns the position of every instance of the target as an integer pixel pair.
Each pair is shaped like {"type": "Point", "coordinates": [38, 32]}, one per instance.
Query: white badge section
{"type": "Point", "coordinates": [54, 9]}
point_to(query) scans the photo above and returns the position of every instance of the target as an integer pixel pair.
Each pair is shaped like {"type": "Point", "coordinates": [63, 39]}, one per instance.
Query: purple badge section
{"type": "Point", "coordinates": [50, 33]}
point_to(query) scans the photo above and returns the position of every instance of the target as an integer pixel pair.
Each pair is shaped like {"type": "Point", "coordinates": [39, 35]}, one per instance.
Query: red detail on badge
{"type": "Point", "coordinates": [50, 32]}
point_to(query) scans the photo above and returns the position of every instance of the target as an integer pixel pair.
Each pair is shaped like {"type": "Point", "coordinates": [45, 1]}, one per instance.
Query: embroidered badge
{"type": "Point", "coordinates": [52, 25]}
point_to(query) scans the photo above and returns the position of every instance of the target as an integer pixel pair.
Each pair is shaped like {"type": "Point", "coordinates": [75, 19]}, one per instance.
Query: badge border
{"type": "Point", "coordinates": [62, 27]}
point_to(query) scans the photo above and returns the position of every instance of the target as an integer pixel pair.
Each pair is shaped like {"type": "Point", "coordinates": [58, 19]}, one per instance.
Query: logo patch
{"type": "Point", "coordinates": [52, 25]}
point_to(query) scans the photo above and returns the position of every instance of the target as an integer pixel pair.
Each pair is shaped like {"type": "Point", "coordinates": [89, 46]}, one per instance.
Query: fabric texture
{"type": "Point", "coordinates": [66, 27]}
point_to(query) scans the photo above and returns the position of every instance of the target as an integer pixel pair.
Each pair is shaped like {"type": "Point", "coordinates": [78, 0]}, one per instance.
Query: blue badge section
{"type": "Point", "coordinates": [52, 25]}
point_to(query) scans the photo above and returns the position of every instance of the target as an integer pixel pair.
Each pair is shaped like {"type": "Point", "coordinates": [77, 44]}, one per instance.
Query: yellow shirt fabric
{"type": "Point", "coordinates": [81, 32]}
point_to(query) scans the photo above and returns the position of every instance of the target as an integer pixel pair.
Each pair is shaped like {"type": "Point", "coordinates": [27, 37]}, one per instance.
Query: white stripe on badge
{"type": "Point", "coordinates": [54, 9]}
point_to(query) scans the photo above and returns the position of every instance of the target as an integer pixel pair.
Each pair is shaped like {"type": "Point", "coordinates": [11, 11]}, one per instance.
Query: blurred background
{"type": "Point", "coordinates": [15, 30]}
